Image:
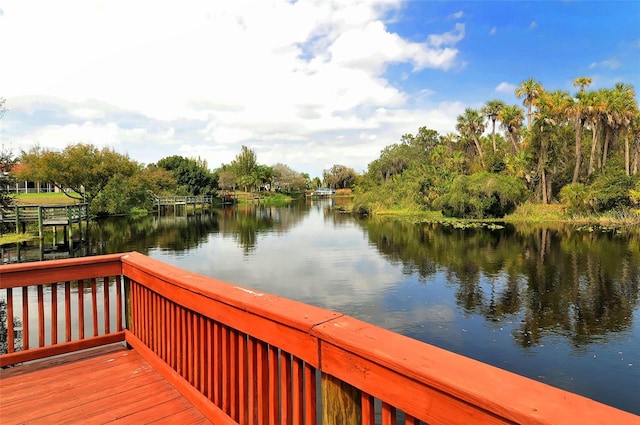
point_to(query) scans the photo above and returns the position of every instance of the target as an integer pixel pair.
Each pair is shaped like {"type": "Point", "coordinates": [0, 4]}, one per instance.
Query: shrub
{"type": "Point", "coordinates": [610, 189]}
{"type": "Point", "coordinates": [481, 195]}
{"type": "Point", "coordinates": [575, 197]}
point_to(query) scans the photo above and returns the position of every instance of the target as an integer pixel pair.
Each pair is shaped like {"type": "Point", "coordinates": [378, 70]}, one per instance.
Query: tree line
{"type": "Point", "coordinates": [582, 150]}
{"type": "Point", "coordinates": [113, 184]}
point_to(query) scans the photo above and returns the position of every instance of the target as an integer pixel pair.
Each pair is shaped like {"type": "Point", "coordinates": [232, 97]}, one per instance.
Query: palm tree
{"type": "Point", "coordinates": [621, 109]}
{"type": "Point", "coordinates": [491, 110]}
{"type": "Point", "coordinates": [582, 82]}
{"type": "Point", "coordinates": [595, 108]}
{"type": "Point", "coordinates": [471, 126]}
{"type": "Point", "coordinates": [577, 110]}
{"type": "Point", "coordinates": [552, 114]}
{"type": "Point", "coordinates": [511, 118]}
{"type": "Point", "coordinates": [531, 91]}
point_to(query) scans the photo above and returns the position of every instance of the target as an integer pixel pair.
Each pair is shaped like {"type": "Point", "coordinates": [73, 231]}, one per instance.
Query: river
{"type": "Point", "coordinates": [556, 303]}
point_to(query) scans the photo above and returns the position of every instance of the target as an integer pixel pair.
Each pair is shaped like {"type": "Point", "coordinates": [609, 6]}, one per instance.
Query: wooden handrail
{"type": "Point", "coordinates": [244, 356]}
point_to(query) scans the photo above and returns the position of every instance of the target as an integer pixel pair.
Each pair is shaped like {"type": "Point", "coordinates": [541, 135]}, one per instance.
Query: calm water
{"type": "Point", "coordinates": [556, 304]}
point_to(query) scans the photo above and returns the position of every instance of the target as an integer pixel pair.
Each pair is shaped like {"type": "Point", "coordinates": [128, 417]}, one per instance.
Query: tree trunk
{"type": "Point", "coordinates": [512, 136]}
{"type": "Point", "coordinates": [479, 149]}
{"type": "Point", "coordinates": [576, 169]}
{"type": "Point", "coordinates": [594, 145]}
{"type": "Point", "coordinates": [543, 185]}
{"type": "Point", "coordinates": [493, 135]}
{"type": "Point", "coordinates": [605, 149]}
{"type": "Point", "coordinates": [627, 157]}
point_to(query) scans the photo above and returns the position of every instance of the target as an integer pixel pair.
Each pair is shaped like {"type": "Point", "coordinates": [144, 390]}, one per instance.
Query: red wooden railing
{"type": "Point", "coordinates": [63, 305]}
{"type": "Point", "coordinates": [252, 358]}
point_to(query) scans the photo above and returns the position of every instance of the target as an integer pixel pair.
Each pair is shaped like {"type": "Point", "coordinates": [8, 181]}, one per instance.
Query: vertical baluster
{"type": "Point", "coordinates": [368, 413]}
{"type": "Point", "coordinates": [243, 394]}
{"type": "Point", "coordinates": [296, 399]}
{"type": "Point", "coordinates": [183, 342]}
{"type": "Point", "coordinates": [80, 309]}
{"type": "Point", "coordinates": [54, 313]}
{"type": "Point", "coordinates": [94, 306]}
{"type": "Point", "coordinates": [167, 330]}
{"type": "Point", "coordinates": [118, 304]}
{"type": "Point", "coordinates": [155, 323]}
{"type": "Point", "coordinates": [40, 290]}
{"type": "Point", "coordinates": [25, 318]}
{"type": "Point", "coordinates": [194, 349]}
{"type": "Point", "coordinates": [225, 369]}
{"type": "Point", "coordinates": [172, 346]}
{"type": "Point", "coordinates": [252, 374]}
{"type": "Point", "coordinates": [274, 417]}
{"type": "Point", "coordinates": [217, 356]}
{"type": "Point", "coordinates": [388, 414]}
{"type": "Point", "coordinates": [262, 387]}
{"type": "Point", "coordinates": [208, 348]}
{"type": "Point", "coordinates": [309, 394]}
{"type": "Point", "coordinates": [190, 346]}
{"type": "Point", "coordinates": [106, 309]}
{"type": "Point", "coordinates": [286, 397]}
{"type": "Point", "coordinates": [202, 366]}
{"type": "Point", "coordinates": [145, 300]}
{"type": "Point", "coordinates": [67, 311]}
{"type": "Point", "coordinates": [233, 374]}
{"type": "Point", "coordinates": [10, 330]}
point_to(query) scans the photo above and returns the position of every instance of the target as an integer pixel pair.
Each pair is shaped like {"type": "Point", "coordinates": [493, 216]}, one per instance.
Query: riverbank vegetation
{"type": "Point", "coordinates": [560, 156]}
{"type": "Point", "coordinates": [579, 153]}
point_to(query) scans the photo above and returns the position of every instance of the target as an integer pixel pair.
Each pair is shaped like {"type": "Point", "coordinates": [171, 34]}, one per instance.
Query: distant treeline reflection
{"type": "Point", "coordinates": [579, 284]}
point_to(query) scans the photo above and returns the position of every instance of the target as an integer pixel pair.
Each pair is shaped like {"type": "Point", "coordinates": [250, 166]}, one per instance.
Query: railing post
{"type": "Point", "coordinates": [127, 303]}
{"type": "Point", "coordinates": [340, 402]}
{"type": "Point", "coordinates": [17, 219]}
{"type": "Point", "coordinates": [40, 223]}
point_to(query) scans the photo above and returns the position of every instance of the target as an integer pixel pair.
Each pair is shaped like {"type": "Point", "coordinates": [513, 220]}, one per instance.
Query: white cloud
{"type": "Point", "coordinates": [459, 14]}
{"type": "Point", "coordinates": [493, 31]}
{"type": "Point", "coordinates": [505, 87]}
{"type": "Point", "coordinates": [608, 63]}
{"type": "Point", "coordinates": [238, 72]}
{"type": "Point", "coordinates": [533, 25]}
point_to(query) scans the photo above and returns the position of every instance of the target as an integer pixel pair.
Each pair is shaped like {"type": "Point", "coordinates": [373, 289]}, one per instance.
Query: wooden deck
{"type": "Point", "coordinates": [105, 385]}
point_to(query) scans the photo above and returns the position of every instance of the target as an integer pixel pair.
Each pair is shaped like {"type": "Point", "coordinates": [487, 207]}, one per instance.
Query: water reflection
{"type": "Point", "coordinates": [578, 284]}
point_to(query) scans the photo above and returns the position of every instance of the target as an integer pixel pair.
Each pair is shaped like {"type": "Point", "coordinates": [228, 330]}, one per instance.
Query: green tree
{"type": "Point", "coordinates": [245, 168]}
{"type": "Point", "coordinates": [81, 170]}
{"type": "Point", "coordinates": [471, 126]}
{"type": "Point", "coordinates": [339, 177]}
{"type": "Point", "coordinates": [530, 90]}
{"type": "Point", "coordinates": [491, 110]}
{"type": "Point", "coordinates": [7, 161]}
{"type": "Point", "coordinates": [288, 180]}
{"type": "Point", "coordinates": [192, 175]}
{"type": "Point", "coordinates": [578, 111]}
{"type": "Point", "coordinates": [546, 135]}
{"type": "Point", "coordinates": [481, 195]}
{"type": "Point", "coordinates": [511, 118]}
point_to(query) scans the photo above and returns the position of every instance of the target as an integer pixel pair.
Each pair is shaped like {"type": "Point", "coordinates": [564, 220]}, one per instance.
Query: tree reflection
{"type": "Point", "coordinates": [555, 280]}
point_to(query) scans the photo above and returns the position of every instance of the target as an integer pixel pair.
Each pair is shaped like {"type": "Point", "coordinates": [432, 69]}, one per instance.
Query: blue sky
{"type": "Point", "coordinates": [307, 83]}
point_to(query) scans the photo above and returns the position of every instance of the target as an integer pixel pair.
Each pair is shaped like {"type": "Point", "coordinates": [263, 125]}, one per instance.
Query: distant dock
{"type": "Point", "coordinates": [46, 216]}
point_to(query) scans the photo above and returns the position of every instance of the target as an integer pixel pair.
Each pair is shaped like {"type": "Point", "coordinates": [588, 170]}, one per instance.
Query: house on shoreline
{"type": "Point", "coordinates": [25, 186]}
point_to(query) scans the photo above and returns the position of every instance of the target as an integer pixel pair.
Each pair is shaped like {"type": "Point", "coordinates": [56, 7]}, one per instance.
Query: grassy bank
{"type": "Point", "coordinates": [43, 199]}
{"type": "Point", "coordinates": [525, 213]}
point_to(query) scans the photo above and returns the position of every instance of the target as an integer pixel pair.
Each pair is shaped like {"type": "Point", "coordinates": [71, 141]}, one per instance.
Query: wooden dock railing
{"type": "Point", "coordinates": [45, 215]}
{"type": "Point", "coordinates": [248, 357]}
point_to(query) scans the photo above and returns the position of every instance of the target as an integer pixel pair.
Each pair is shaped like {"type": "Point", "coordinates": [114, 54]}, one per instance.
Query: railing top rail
{"type": "Point", "coordinates": [50, 271]}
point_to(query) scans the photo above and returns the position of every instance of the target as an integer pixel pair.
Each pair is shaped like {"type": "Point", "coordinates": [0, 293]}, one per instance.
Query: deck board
{"type": "Point", "coordinates": [106, 385]}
